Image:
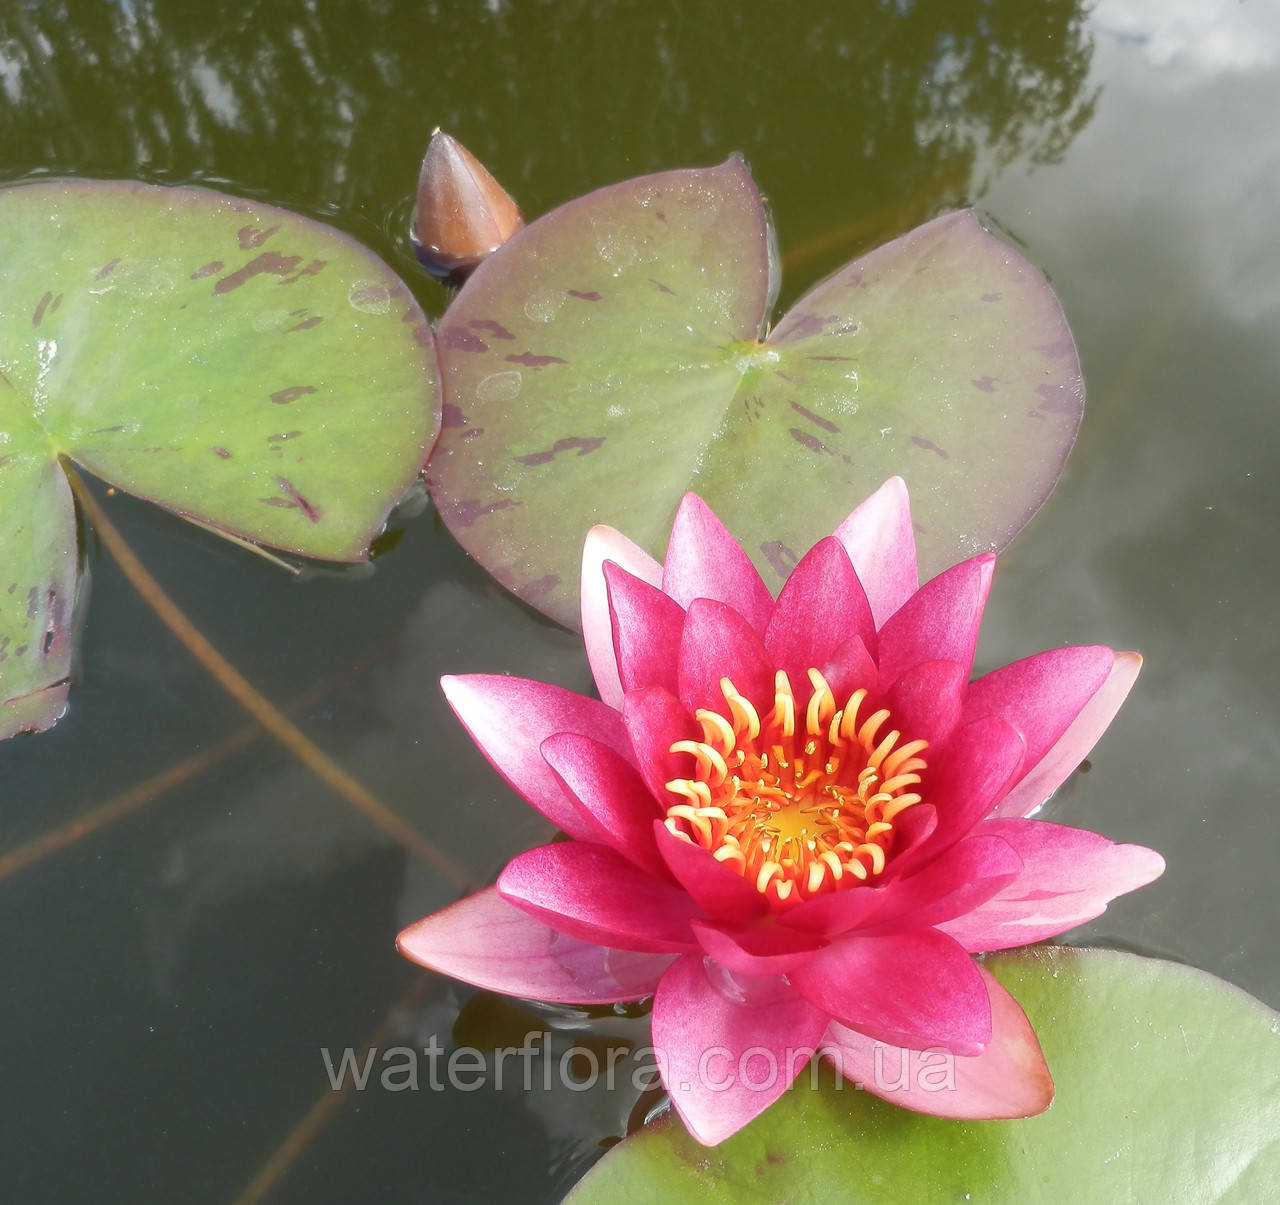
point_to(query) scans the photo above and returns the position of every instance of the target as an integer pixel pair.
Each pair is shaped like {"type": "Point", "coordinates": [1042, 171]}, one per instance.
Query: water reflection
{"type": "Point", "coordinates": [901, 103]}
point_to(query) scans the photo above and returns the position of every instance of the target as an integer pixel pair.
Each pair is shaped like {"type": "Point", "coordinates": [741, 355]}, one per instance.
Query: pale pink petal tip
{"type": "Point", "coordinates": [1076, 742]}
{"type": "Point", "coordinates": [1009, 1079]}
{"type": "Point", "coordinates": [606, 544]}
{"type": "Point", "coordinates": [882, 546]}
{"type": "Point", "coordinates": [485, 941]}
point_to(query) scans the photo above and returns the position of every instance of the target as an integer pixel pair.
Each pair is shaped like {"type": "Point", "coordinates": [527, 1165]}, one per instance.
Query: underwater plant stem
{"type": "Point", "coordinates": [123, 804]}
{"type": "Point", "coordinates": [330, 1100]}
{"type": "Point", "coordinates": [255, 703]}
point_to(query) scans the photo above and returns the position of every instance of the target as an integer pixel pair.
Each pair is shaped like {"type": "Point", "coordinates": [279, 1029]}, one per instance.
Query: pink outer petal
{"type": "Point", "coordinates": [594, 893]}
{"type": "Point", "coordinates": [939, 622]}
{"type": "Point", "coordinates": [486, 941]}
{"type": "Point", "coordinates": [821, 606]}
{"type": "Point", "coordinates": [646, 631]}
{"type": "Point", "coordinates": [606, 544]}
{"type": "Point", "coordinates": [1008, 1079]}
{"type": "Point", "coordinates": [609, 793]}
{"type": "Point", "coordinates": [1041, 695]}
{"type": "Point", "coordinates": [705, 561]}
{"type": "Point", "coordinates": [509, 718]}
{"type": "Point", "coordinates": [756, 949]}
{"type": "Point", "coordinates": [719, 643]}
{"type": "Point", "coordinates": [1068, 876]}
{"type": "Point", "coordinates": [882, 546]}
{"type": "Point", "coordinates": [718, 889]}
{"type": "Point", "coordinates": [656, 720]}
{"type": "Point", "coordinates": [915, 989]}
{"type": "Point", "coordinates": [728, 1048]}
{"type": "Point", "coordinates": [1074, 744]}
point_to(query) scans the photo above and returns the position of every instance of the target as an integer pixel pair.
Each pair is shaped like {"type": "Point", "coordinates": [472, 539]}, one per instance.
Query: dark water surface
{"type": "Point", "coordinates": [171, 979]}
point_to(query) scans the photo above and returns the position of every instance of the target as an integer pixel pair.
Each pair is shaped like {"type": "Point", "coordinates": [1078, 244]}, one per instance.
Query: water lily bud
{"type": "Point", "coordinates": [463, 214]}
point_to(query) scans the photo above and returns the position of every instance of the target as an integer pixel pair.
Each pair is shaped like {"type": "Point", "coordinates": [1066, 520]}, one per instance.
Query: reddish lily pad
{"type": "Point", "coordinates": [613, 355]}
{"type": "Point", "coordinates": [1140, 1049]}
{"type": "Point", "coordinates": [247, 367]}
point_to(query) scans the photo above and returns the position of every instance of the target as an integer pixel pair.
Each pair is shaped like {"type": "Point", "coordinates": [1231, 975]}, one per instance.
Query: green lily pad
{"type": "Point", "coordinates": [1168, 1089]}
{"type": "Point", "coordinates": [613, 355]}
{"type": "Point", "coordinates": [251, 369]}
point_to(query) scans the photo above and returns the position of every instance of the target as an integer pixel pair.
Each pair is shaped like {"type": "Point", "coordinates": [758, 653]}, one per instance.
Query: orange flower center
{"type": "Point", "coordinates": [801, 803]}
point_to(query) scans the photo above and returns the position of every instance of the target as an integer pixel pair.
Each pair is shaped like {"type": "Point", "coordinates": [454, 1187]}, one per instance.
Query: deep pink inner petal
{"type": "Point", "coordinates": [593, 893]}
{"type": "Point", "coordinates": [646, 631]}
{"type": "Point", "coordinates": [881, 544]}
{"type": "Point", "coordinates": [717, 888]}
{"type": "Point", "coordinates": [821, 606]}
{"type": "Point", "coordinates": [705, 561]}
{"type": "Point", "coordinates": [1008, 1079]}
{"type": "Point", "coordinates": [762, 949]}
{"type": "Point", "coordinates": [609, 792]}
{"type": "Point", "coordinates": [939, 622]}
{"type": "Point", "coordinates": [727, 1048]}
{"type": "Point", "coordinates": [914, 989]}
{"type": "Point", "coordinates": [964, 785]}
{"type": "Point", "coordinates": [718, 643]}
{"type": "Point", "coordinates": [850, 667]}
{"type": "Point", "coordinates": [655, 720]}
{"type": "Point", "coordinates": [486, 941]}
{"type": "Point", "coordinates": [926, 702]}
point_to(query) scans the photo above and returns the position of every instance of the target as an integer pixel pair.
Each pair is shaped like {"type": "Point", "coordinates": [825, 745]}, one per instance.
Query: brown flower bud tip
{"type": "Point", "coordinates": [463, 214]}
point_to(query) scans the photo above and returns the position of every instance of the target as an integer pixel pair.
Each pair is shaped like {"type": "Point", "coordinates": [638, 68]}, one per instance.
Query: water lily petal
{"type": "Point", "coordinates": [939, 622]}
{"type": "Point", "coordinates": [1041, 695]}
{"type": "Point", "coordinates": [609, 792]}
{"type": "Point", "coordinates": [882, 546]}
{"type": "Point", "coordinates": [719, 643]}
{"type": "Point", "coordinates": [594, 893]}
{"type": "Point", "coordinates": [1008, 1079]}
{"type": "Point", "coordinates": [970, 873]}
{"type": "Point", "coordinates": [755, 949]}
{"type": "Point", "coordinates": [963, 787]}
{"type": "Point", "coordinates": [705, 561]}
{"type": "Point", "coordinates": [727, 1049]}
{"type": "Point", "coordinates": [509, 718]}
{"type": "Point", "coordinates": [646, 631]}
{"type": "Point", "coordinates": [821, 605]}
{"type": "Point", "coordinates": [492, 944]}
{"type": "Point", "coordinates": [1073, 746]}
{"type": "Point", "coordinates": [851, 667]}
{"type": "Point", "coordinates": [925, 702]}
{"type": "Point", "coordinates": [605, 544]}
{"type": "Point", "coordinates": [914, 989]}
{"type": "Point", "coordinates": [1068, 876]}
{"type": "Point", "coordinates": [716, 888]}
{"type": "Point", "coordinates": [655, 720]}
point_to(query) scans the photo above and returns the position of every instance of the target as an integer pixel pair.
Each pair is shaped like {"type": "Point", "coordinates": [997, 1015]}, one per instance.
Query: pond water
{"type": "Point", "coordinates": [177, 962]}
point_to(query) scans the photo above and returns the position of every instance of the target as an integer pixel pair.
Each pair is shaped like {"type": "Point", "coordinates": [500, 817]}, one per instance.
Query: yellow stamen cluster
{"type": "Point", "coordinates": [802, 802]}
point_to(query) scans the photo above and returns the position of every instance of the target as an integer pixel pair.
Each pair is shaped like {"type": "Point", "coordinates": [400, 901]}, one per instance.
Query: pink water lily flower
{"type": "Point", "coordinates": [794, 822]}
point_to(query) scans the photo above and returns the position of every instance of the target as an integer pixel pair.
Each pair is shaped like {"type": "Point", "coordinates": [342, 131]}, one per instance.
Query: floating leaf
{"type": "Point", "coordinates": [249, 368]}
{"type": "Point", "coordinates": [608, 358]}
{"type": "Point", "coordinates": [1140, 1049]}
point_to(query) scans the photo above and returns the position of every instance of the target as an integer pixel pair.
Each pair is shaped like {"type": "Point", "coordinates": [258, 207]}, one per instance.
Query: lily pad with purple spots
{"type": "Point", "coordinates": [246, 367]}
{"type": "Point", "coordinates": [1139, 1049]}
{"type": "Point", "coordinates": [616, 353]}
